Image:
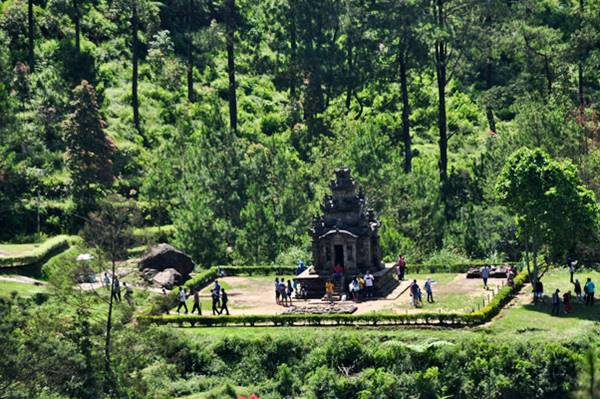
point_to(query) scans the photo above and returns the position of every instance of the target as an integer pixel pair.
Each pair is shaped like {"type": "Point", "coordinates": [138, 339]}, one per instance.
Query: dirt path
{"type": "Point", "coordinates": [14, 278]}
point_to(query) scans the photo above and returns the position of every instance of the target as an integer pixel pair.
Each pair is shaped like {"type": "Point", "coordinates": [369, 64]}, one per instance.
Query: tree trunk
{"type": "Point", "coordinates": [580, 94]}
{"type": "Point", "coordinates": [442, 124]}
{"type": "Point", "coordinates": [190, 54]}
{"type": "Point", "coordinates": [30, 35]}
{"type": "Point", "coordinates": [405, 117]}
{"type": "Point", "coordinates": [440, 61]}
{"type": "Point", "coordinates": [107, 369]}
{"type": "Point", "coordinates": [350, 74]}
{"type": "Point", "coordinates": [76, 19]}
{"type": "Point", "coordinates": [489, 112]}
{"type": "Point", "coordinates": [231, 64]}
{"type": "Point", "coordinates": [134, 75]}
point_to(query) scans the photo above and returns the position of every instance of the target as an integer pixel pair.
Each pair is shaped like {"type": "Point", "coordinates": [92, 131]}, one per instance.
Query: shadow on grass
{"type": "Point", "coordinates": [580, 311]}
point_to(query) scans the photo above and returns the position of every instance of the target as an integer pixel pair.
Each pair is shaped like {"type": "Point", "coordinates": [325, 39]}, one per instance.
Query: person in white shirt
{"type": "Point", "coordinates": [182, 298]}
{"type": "Point", "coordinates": [369, 284]}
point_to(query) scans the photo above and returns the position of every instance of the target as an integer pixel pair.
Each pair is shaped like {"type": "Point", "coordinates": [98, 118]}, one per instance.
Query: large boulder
{"type": "Point", "coordinates": [165, 256]}
{"type": "Point", "coordinates": [168, 278]}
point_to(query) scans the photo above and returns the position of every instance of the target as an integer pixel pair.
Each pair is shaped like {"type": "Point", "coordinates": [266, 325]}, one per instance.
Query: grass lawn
{"type": "Point", "coordinates": [520, 321]}
{"type": "Point", "coordinates": [23, 289]}
{"type": "Point", "coordinates": [17, 249]}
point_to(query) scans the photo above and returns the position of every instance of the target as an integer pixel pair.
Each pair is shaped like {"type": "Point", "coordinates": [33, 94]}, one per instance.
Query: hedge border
{"type": "Point", "coordinates": [49, 248]}
{"type": "Point", "coordinates": [474, 318]}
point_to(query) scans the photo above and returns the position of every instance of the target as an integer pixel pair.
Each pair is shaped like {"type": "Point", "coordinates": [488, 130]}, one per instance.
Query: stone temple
{"type": "Point", "coordinates": [346, 234]}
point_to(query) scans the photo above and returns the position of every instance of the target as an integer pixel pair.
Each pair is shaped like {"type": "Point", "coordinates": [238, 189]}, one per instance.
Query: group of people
{"type": "Point", "coordinates": [284, 291]}
{"type": "Point", "coordinates": [585, 294]}
{"type": "Point", "coordinates": [362, 287]}
{"type": "Point", "coordinates": [116, 292]}
{"type": "Point", "coordinates": [417, 295]}
{"type": "Point", "coordinates": [219, 298]}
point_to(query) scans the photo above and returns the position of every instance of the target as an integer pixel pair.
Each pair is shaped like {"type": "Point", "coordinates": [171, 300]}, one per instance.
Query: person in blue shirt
{"type": "Point", "coordinates": [590, 289]}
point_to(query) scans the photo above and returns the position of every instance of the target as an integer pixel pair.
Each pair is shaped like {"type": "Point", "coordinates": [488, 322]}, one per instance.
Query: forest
{"type": "Point", "coordinates": [227, 118]}
{"type": "Point", "coordinates": [216, 126]}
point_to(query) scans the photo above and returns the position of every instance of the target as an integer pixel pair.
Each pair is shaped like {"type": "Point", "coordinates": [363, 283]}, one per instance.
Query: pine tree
{"type": "Point", "coordinates": [89, 150]}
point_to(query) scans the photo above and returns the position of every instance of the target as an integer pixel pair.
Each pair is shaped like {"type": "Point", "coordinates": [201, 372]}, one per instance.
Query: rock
{"type": "Point", "coordinates": [165, 256]}
{"type": "Point", "coordinates": [168, 278]}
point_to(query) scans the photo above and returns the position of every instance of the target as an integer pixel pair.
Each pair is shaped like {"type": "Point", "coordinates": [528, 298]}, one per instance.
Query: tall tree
{"type": "Point", "coordinates": [545, 196]}
{"type": "Point", "coordinates": [110, 232]}
{"type": "Point", "coordinates": [89, 150]}
{"type": "Point", "coordinates": [134, 69]}
{"type": "Point", "coordinates": [230, 27]}
{"type": "Point", "coordinates": [190, 52]}
{"type": "Point", "coordinates": [400, 26]}
{"type": "Point", "coordinates": [30, 33]}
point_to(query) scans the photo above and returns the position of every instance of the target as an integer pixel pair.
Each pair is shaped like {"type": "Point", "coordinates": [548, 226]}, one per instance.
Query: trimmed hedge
{"type": "Point", "coordinates": [483, 315]}
{"type": "Point", "coordinates": [41, 254]}
{"type": "Point", "coordinates": [155, 233]}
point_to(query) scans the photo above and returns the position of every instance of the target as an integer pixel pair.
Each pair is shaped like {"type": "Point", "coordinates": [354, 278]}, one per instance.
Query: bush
{"type": "Point", "coordinates": [49, 248]}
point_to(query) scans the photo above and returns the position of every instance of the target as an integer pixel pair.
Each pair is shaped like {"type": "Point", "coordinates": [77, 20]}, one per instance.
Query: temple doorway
{"type": "Point", "coordinates": [338, 258]}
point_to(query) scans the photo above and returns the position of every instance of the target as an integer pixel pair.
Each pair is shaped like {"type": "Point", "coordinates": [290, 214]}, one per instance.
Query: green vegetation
{"type": "Point", "coordinates": [472, 127]}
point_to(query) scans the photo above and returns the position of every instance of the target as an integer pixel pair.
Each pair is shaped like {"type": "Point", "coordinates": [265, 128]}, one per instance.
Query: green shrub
{"type": "Point", "coordinates": [49, 248]}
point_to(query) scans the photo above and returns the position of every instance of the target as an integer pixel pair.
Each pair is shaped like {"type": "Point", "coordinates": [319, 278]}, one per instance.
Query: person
{"type": "Point", "coordinates": [414, 292]}
{"type": "Point", "coordinates": [485, 274]}
{"type": "Point", "coordinates": [182, 297]}
{"type": "Point", "coordinates": [215, 302]}
{"type": "Point", "coordinates": [303, 291]}
{"type": "Point", "coordinates": [419, 295]}
{"type": "Point", "coordinates": [510, 277]}
{"type": "Point", "coordinates": [590, 289]}
{"type": "Point", "coordinates": [197, 303]}
{"type": "Point", "coordinates": [116, 290]}
{"type": "Point", "coordinates": [128, 294]}
{"type": "Point", "coordinates": [217, 287]}
{"type": "Point", "coordinates": [106, 281]}
{"type": "Point", "coordinates": [301, 267]}
{"type": "Point", "coordinates": [224, 300]}
{"type": "Point", "coordinates": [567, 302]}
{"type": "Point", "coordinates": [577, 289]}
{"type": "Point", "coordinates": [428, 290]}
{"type": "Point", "coordinates": [361, 286]}
{"type": "Point", "coordinates": [539, 291]}
{"type": "Point", "coordinates": [556, 303]}
{"type": "Point", "coordinates": [277, 292]}
{"type": "Point", "coordinates": [220, 272]}
{"type": "Point", "coordinates": [401, 267]}
{"type": "Point", "coordinates": [329, 290]}
{"type": "Point", "coordinates": [282, 293]}
{"type": "Point", "coordinates": [571, 267]}
{"type": "Point", "coordinates": [338, 272]}
{"type": "Point", "coordinates": [290, 291]}
{"type": "Point", "coordinates": [354, 289]}
{"type": "Point", "coordinates": [369, 284]}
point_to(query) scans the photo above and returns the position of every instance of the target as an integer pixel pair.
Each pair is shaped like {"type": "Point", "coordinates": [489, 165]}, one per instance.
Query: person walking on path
{"type": "Point", "coordinates": [401, 267]}
{"type": "Point", "coordinates": [590, 289]}
{"type": "Point", "coordinates": [182, 298]}
{"type": "Point", "coordinates": [277, 292]}
{"type": "Point", "coordinates": [197, 303]}
{"type": "Point", "coordinates": [329, 291]}
{"type": "Point", "coordinates": [128, 294]}
{"type": "Point", "coordinates": [485, 274]}
{"type": "Point", "coordinates": [414, 292]}
{"type": "Point", "coordinates": [116, 290]}
{"type": "Point", "coordinates": [538, 293]}
{"type": "Point", "coordinates": [369, 284]}
{"type": "Point", "coordinates": [354, 288]}
{"type": "Point", "coordinates": [106, 280]}
{"type": "Point", "coordinates": [290, 291]}
{"type": "Point", "coordinates": [282, 294]}
{"type": "Point", "coordinates": [224, 300]}
{"type": "Point", "coordinates": [578, 291]}
{"type": "Point", "coordinates": [429, 290]}
{"type": "Point", "coordinates": [567, 302]}
{"type": "Point", "coordinates": [556, 303]}
{"type": "Point", "coordinates": [215, 302]}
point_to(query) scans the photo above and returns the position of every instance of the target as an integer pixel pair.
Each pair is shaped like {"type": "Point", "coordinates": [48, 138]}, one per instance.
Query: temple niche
{"type": "Point", "coordinates": [345, 234]}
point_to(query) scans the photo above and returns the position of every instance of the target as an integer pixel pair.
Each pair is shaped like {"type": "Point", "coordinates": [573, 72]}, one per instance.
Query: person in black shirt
{"type": "Point", "coordinates": [224, 300]}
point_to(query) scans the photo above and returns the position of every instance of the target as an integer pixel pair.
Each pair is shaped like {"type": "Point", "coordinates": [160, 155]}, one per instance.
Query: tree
{"type": "Point", "coordinates": [230, 27]}
{"type": "Point", "coordinates": [399, 25]}
{"type": "Point", "coordinates": [553, 210]}
{"type": "Point", "coordinates": [30, 33]}
{"type": "Point", "coordinates": [110, 232]}
{"type": "Point", "coordinates": [449, 20]}
{"type": "Point", "coordinates": [89, 150]}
